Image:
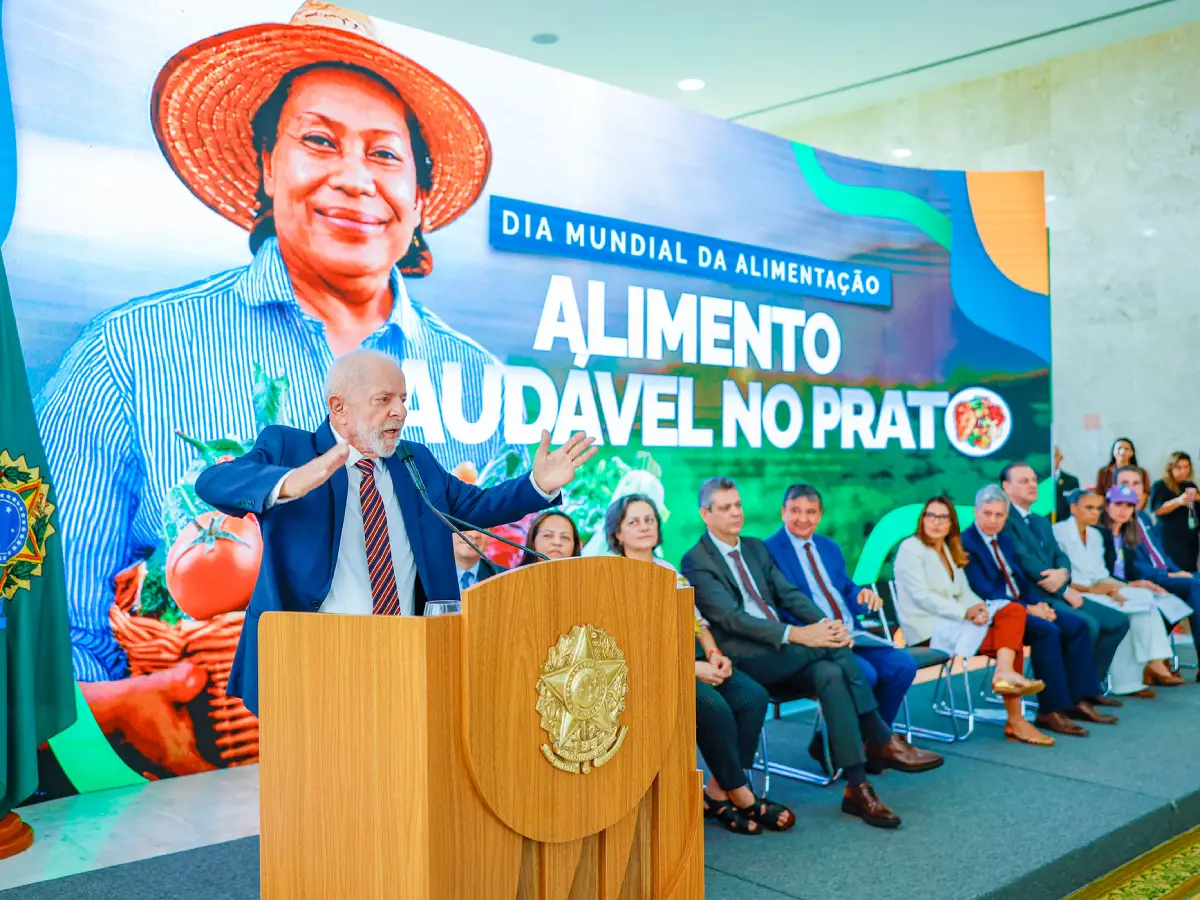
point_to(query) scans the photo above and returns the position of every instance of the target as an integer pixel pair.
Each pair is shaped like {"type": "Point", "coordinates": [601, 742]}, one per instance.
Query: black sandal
{"type": "Point", "coordinates": [729, 817]}
{"type": "Point", "coordinates": [766, 813]}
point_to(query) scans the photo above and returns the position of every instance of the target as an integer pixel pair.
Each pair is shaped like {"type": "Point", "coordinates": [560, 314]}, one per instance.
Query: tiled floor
{"type": "Point", "coordinates": [90, 831]}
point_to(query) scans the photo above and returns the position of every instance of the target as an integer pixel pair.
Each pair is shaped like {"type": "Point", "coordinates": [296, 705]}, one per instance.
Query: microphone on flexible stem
{"type": "Point", "coordinates": [405, 455]}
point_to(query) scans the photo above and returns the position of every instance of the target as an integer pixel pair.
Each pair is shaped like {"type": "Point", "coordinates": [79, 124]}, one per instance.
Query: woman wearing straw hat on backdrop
{"type": "Point", "coordinates": [338, 155]}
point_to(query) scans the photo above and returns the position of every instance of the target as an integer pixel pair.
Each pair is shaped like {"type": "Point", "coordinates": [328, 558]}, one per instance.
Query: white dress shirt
{"type": "Point", "coordinates": [350, 590]}
{"type": "Point", "coordinates": [748, 604]}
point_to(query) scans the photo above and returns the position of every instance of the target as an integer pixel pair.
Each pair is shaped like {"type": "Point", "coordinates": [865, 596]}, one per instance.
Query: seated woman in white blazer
{"type": "Point", "coordinates": [937, 606]}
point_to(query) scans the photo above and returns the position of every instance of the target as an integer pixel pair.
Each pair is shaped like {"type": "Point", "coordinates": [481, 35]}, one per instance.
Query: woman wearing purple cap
{"type": "Point", "coordinates": [1121, 539]}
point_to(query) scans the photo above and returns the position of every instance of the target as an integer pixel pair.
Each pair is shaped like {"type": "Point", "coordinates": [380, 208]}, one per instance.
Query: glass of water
{"type": "Point", "coordinates": [442, 607]}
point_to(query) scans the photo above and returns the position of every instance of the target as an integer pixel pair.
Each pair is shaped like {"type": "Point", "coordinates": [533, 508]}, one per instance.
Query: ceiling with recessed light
{"type": "Point", "coordinates": [774, 63]}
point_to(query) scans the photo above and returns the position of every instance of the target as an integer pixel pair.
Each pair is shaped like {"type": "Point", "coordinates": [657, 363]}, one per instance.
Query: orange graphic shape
{"type": "Point", "coordinates": [1010, 216]}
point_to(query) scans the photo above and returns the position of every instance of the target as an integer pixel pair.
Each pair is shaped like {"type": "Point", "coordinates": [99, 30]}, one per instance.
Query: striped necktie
{"type": "Point", "coordinates": [769, 614]}
{"type": "Point", "coordinates": [384, 595]}
{"type": "Point", "coordinates": [816, 570]}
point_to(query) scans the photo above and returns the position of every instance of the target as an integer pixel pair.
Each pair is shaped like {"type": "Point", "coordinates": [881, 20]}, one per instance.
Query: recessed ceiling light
{"type": "Point", "coordinates": [545, 38]}
{"type": "Point", "coordinates": [1149, 232]}
{"type": "Point", "coordinates": [691, 84]}
{"type": "Point", "coordinates": [1050, 198]}
{"type": "Point", "coordinates": [902, 153]}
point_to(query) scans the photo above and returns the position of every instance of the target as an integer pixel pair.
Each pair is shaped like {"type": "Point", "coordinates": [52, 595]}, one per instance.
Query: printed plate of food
{"type": "Point", "coordinates": [978, 421]}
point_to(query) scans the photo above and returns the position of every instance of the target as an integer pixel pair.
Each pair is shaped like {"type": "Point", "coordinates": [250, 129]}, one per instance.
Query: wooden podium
{"type": "Point", "coordinates": [541, 745]}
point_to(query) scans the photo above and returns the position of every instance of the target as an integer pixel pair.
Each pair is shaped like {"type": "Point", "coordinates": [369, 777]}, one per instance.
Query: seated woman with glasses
{"type": "Point", "coordinates": [730, 706]}
{"type": "Point", "coordinates": [937, 606]}
{"type": "Point", "coordinates": [552, 534]}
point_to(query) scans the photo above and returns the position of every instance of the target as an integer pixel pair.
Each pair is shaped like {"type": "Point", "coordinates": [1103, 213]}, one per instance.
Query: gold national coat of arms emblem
{"type": "Point", "coordinates": [25, 511]}
{"type": "Point", "coordinates": [581, 695]}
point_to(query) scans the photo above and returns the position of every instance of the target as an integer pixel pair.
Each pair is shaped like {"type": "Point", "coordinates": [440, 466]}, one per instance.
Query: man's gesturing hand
{"type": "Point", "coordinates": [554, 468]}
{"type": "Point", "coordinates": [314, 473]}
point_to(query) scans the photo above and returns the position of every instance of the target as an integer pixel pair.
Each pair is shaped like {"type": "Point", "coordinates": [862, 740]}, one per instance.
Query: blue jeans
{"type": "Point", "coordinates": [890, 672]}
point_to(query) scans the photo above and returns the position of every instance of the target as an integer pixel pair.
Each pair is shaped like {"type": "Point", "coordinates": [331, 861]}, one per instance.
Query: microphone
{"type": "Point", "coordinates": [405, 455]}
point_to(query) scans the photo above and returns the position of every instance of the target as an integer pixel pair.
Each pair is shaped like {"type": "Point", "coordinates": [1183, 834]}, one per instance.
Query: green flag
{"type": "Point", "coordinates": [37, 688]}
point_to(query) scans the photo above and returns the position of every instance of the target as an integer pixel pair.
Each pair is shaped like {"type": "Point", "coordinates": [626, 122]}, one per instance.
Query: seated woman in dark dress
{"type": "Point", "coordinates": [1173, 502]}
{"type": "Point", "coordinates": [730, 706]}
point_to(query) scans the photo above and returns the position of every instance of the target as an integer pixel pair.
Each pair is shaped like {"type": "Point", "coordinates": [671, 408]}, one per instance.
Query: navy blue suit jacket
{"type": "Point", "coordinates": [783, 551]}
{"type": "Point", "coordinates": [301, 538]}
{"type": "Point", "coordinates": [1147, 563]}
{"type": "Point", "coordinates": [983, 572]}
{"type": "Point", "coordinates": [1036, 550]}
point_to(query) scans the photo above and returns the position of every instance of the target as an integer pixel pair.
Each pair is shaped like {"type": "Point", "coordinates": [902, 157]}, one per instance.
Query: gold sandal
{"type": "Point", "coordinates": [1006, 688]}
{"type": "Point", "coordinates": [1041, 740]}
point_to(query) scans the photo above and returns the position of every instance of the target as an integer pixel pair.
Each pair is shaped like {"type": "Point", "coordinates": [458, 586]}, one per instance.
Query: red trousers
{"type": "Point", "coordinates": [1007, 632]}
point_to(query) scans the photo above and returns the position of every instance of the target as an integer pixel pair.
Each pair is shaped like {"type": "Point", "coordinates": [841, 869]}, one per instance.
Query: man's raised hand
{"type": "Point", "coordinates": [552, 469]}
{"type": "Point", "coordinates": [314, 473]}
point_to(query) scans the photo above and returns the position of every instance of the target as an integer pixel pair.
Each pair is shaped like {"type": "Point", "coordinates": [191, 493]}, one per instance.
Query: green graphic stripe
{"type": "Point", "coordinates": [87, 757]}
{"type": "Point", "coordinates": [902, 523]}
{"type": "Point", "coordinates": [853, 200]}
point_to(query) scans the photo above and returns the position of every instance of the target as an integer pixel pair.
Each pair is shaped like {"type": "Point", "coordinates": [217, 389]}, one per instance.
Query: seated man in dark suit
{"type": "Point", "coordinates": [470, 567]}
{"type": "Point", "coordinates": [1151, 559]}
{"type": "Point", "coordinates": [1048, 572]}
{"type": "Point", "coordinates": [741, 592]}
{"type": "Point", "coordinates": [1064, 483]}
{"type": "Point", "coordinates": [1059, 642]}
{"type": "Point", "coordinates": [815, 564]}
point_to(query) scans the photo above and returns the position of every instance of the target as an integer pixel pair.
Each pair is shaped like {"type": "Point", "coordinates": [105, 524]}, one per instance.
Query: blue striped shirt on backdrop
{"type": "Point", "coordinates": [183, 361]}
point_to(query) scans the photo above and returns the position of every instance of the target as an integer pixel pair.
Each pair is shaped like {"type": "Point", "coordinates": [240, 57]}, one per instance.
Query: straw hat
{"type": "Point", "coordinates": [206, 96]}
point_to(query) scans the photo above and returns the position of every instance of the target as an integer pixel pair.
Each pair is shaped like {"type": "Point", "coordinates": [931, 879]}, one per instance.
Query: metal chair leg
{"type": "Point", "coordinates": [942, 707]}
{"type": "Point", "coordinates": [768, 768]}
{"type": "Point", "coordinates": [1189, 639]}
{"type": "Point", "coordinates": [766, 759]}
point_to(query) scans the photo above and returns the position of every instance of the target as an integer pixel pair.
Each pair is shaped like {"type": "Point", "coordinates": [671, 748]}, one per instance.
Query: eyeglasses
{"type": "Point", "coordinates": [937, 517]}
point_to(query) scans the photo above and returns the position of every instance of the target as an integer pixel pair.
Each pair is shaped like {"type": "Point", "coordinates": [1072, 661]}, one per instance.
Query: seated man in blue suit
{"type": "Point", "coordinates": [1060, 644]}
{"type": "Point", "coordinates": [1151, 559]}
{"type": "Point", "coordinates": [344, 528]}
{"type": "Point", "coordinates": [1047, 571]}
{"type": "Point", "coordinates": [815, 565]}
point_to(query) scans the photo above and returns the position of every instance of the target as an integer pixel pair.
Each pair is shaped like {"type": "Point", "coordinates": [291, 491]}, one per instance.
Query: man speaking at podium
{"type": "Point", "coordinates": [344, 526]}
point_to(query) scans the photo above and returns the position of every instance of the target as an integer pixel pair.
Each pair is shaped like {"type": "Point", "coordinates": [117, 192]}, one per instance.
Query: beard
{"type": "Point", "coordinates": [380, 444]}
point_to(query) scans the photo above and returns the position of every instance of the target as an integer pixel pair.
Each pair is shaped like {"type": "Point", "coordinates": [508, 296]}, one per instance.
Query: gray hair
{"type": "Point", "coordinates": [351, 370]}
{"type": "Point", "coordinates": [991, 493]}
{"type": "Point", "coordinates": [711, 486]}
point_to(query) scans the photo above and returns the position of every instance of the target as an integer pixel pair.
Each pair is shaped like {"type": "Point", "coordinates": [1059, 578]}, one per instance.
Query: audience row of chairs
{"type": "Point", "coordinates": [780, 624]}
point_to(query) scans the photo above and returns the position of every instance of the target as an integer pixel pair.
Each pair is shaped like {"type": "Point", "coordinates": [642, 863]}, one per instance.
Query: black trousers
{"type": "Point", "coordinates": [729, 720]}
{"type": "Point", "coordinates": [833, 676]}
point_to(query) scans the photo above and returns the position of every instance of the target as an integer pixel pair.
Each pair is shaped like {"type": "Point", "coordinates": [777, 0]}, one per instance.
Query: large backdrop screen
{"type": "Point", "coordinates": [703, 298]}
